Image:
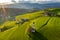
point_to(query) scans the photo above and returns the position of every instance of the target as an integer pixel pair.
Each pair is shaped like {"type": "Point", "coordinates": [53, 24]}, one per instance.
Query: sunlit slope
{"type": "Point", "coordinates": [46, 27]}
{"type": "Point", "coordinates": [8, 24]}
{"type": "Point", "coordinates": [18, 31]}
{"type": "Point", "coordinates": [21, 31]}
{"type": "Point", "coordinates": [30, 16]}
{"type": "Point", "coordinates": [52, 29]}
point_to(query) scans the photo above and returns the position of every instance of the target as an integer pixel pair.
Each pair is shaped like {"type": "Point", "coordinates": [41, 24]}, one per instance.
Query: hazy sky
{"type": "Point", "coordinates": [1, 1]}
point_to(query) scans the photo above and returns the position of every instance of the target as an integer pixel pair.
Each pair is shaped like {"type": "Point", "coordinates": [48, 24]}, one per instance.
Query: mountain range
{"type": "Point", "coordinates": [27, 5]}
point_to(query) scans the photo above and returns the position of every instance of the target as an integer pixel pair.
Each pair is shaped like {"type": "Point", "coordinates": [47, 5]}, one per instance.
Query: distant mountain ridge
{"type": "Point", "coordinates": [33, 5]}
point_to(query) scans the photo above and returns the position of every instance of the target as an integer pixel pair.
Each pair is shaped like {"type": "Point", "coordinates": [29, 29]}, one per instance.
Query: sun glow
{"type": "Point", "coordinates": [3, 1]}
{"type": "Point", "coordinates": [3, 11]}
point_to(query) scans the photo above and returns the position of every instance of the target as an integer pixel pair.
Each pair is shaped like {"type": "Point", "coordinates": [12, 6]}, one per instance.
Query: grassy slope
{"type": "Point", "coordinates": [51, 30]}
{"type": "Point", "coordinates": [44, 31]}
{"type": "Point", "coordinates": [20, 32]}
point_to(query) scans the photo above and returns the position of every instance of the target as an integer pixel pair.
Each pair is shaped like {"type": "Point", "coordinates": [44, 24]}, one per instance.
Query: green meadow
{"type": "Point", "coordinates": [47, 26]}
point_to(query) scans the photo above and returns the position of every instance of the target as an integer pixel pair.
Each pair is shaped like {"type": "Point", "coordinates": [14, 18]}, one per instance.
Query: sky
{"type": "Point", "coordinates": [2, 1]}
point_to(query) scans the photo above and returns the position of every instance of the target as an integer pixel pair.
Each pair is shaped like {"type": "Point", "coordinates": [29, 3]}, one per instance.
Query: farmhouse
{"type": "Point", "coordinates": [32, 27]}
{"type": "Point", "coordinates": [50, 14]}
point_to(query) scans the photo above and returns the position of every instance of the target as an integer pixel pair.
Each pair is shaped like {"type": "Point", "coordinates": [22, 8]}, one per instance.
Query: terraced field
{"type": "Point", "coordinates": [51, 30]}
{"type": "Point", "coordinates": [46, 27]}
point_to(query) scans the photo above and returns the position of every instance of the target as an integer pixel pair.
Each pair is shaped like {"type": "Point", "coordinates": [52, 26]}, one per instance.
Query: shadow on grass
{"type": "Point", "coordinates": [37, 36]}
